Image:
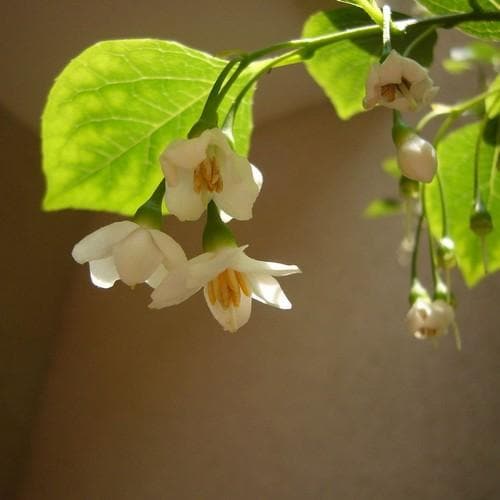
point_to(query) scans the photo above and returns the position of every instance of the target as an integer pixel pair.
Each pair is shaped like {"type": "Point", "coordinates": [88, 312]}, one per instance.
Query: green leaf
{"type": "Point", "coordinates": [341, 68]}
{"type": "Point", "coordinates": [382, 208]}
{"type": "Point", "coordinates": [456, 67]}
{"type": "Point", "coordinates": [488, 30]}
{"type": "Point", "coordinates": [390, 166]}
{"type": "Point", "coordinates": [111, 113]}
{"type": "Point", "coordinates": [370, 7]}
{"type": "Point", "coordinates": [492, 102]}
{"type": "Point", "coordinates": [456, 167]}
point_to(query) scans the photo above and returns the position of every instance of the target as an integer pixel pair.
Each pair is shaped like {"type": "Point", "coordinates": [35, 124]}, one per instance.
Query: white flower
{"type": "Point", "coordinates": [204, 168]}
{"type": "Point", "coordinates": [230, 280]}
{"type": "Point", "coordinates": [416, 158]}
{"type": "Point", "coordinates": [427, 319]}
{"type": "Point", "coordinates": [124, 250]}
{"type": "Point", "coordinates": [398, 83]}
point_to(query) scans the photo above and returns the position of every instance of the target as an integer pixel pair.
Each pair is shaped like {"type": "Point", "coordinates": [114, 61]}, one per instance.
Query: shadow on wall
{"type": "Point", "coordinates": [35, 266]}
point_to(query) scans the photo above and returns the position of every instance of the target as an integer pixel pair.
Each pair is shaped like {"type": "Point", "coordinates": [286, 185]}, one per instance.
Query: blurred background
{"type": "Point", "coordinates": [102, 398]}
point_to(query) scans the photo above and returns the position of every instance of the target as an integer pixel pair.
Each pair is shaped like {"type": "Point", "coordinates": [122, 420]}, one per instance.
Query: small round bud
{"type": "Point", "coordinates": [441, 291]}
{"type": "Point", "coordinates": [446, 253]}
{"type": "Point", "coordinates": [417, 158]}
{"type": "Point", "coordinates": [480, 221]}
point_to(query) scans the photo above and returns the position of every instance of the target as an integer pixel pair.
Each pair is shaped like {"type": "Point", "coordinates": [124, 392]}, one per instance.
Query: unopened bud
{"type": "Point", "coordinates": [446, 253]}
{"type": "Point", "coordinates": [417, 291]}
{"type": "Point", "coordinates": [480, 221]}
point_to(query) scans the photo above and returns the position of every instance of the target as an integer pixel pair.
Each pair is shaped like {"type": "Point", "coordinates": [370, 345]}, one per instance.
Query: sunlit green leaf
{"type": "Point", "coordinates": [456, 67]}
{"type": "Point", "coordinates": [456, 166]}
{"type": "Point", "coordinates": [341, 68]}
{"type": "Point", "coordinates": [390, 166]}
{"type": "Point", "coordinates": [489, 30]}
{"type": "Point", "coordinates": [111, 113]}
{"type": "Point", "coordinates": [493, 101]}
{"type": "Point", "coordinates": [382, 208]}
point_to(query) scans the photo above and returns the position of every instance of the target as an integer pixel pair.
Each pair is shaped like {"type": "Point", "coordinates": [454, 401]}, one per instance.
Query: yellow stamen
{"type": "Point", "coordinates": [226, 288]}
{"type": "Point", "coordinates": [206, 177]}
{"type": "Point", "coordinates": [211, 293]}
{"type": "Point", "coordinates": [242, 280]}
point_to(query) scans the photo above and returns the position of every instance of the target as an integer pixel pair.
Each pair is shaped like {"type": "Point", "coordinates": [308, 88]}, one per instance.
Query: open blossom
{"type": "Point", "coordinates": [127, 251]}
{"type": "Point", "coordinates": [399, 83]}
{"type": "Point", "coordinates": [230, 280]}
{"type": "Point", "coordinates": [416, 158]}
{"type": "Point", "coordinates": [204, 168]}
{"type": "Point", "coordinates": [427, 319]}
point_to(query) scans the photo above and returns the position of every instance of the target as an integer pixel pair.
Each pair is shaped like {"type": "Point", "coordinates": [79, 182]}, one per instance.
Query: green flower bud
{"type": "Point", "coordinates": [441, 292]}
{"type": "Point", "coordinates": [480, 221]}
{"type": "Point", "coordinates": [446, 253]}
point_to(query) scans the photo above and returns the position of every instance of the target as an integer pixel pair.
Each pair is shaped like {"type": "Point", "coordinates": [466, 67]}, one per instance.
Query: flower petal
{"type": "Point", "coordinates": [266, 289]}
{"type": "Point", "coordinates": [137, 257]}
{"type": "Point", "coordinates": [185, 153]}
{"type": "Point", "coordinates": [246, 264]}
{"type": "Point", "coordinates": [231, 318]}
{"type": "Point", "coordinates": [182, 200]}
{"type": "Point", "coordinates": [99, 244]}
{"type": "Point", "coordinates": [157, 277]}
{"type": "Point", "coordinates": [240, 189]}
{"type": "Point", "coordinates": [391, 70]}
{"type": "Point", "coordinates": [103, 272]}
{"type": "Point", "coordinates": [172, 290]}
{"type": "Point", "coordinates": [173, 254]}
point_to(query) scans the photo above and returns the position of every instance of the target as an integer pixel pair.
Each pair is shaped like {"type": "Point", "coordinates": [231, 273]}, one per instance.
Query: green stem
{"type": "Point", "coordinates": [435, 277]}
{"type": "Point", "coordinates": [418, 40]}
{"type": "Point", "coordinates": [414, 257]}
{"type": "Point", "coordinates": [386, 32]}
{"type": "Point", "coordinates": [477, 193]}
{"type": "Point", "coordinates": [444, 220]}
{"type": "Point", "coordinates": [149, 213]}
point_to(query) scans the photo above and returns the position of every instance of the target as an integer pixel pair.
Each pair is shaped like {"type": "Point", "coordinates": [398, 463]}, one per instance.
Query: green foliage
{"type": "Point", "coordinates": [341, 68]}
{"type": "Point", "coordinates": [488, 30]}
{"type": "Point", "coordinates": [369, 6]}
{"type": "Point", "coordinates": [382, 208]}
{"type": "Point", "coordinates": [492, 102]}
{"type": "Point", "coordinates": [390, 166]}
{"type": "Point", "coordinates": [114, 109]}
{"type": "Point", "coordinates": [456, 166]}
{"type": "Point", "coordinates": [465, 58]}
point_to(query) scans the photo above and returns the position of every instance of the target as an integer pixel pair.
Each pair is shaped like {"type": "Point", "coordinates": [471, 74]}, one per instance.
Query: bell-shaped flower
{"type": "Point", "coordinates": [399, 83]}
{"type": "Point", "coordinates": [416, 158]}
{"type": "Point", "coordinates": [427, 320]}
{"type": "Point", "coordinates": [127, 251]}
{"type": "Point", "coordinates": [203, 168]}
{"type": "Point", "coordinates": [230, 280]}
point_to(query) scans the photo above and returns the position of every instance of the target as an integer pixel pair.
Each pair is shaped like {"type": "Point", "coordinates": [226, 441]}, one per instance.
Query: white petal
{"type": "Point", "coordinates": [259, 180]}
{"type": "Point", "coordinates": [391, 69]}
{"type": "Point", "coordinates": [182, 200]}
{"type": "Point", "coordinates": [173, 254]}
{"type": "Point", "coordinates": [240, 189]}
{"type": "Point", "coordinates": [103, 272]}
{"type": "Point", "coordinates": [372, 89]}
{"type": "Point", "coordinates": [137, 257]}
{"type": "Point", "coordinates": [99, 244]}
{"type": "Point", "coordinates": [417, 158]}
{"type": "Point", "coordinates": [231, 318]}
{"type": "Point", "coordinates": [266, 289]}
{"type": "Point", "coordinates": [185, 153]}
{"type": "Point", "coordinates": [246, 264]}
{"type": "Point", "coordinates": [172, 290]}
{"type": "Point", "coordinates": [418, 315]}
{"type": "Point", "coordinates": [412, 71]}
{"type": "Point", "coordinates": [157, 277]}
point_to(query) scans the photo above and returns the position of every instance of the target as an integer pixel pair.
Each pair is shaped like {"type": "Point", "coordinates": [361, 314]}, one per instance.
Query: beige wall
{"type": "Point", "coordinates": [330, 400]}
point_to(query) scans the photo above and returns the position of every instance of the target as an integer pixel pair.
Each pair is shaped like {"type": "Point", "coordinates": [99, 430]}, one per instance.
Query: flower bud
{"type": "Point", "coordinates": [480, 221]}
{"type": "Point", "coordinates": [446, 253]}
{"type": "Point", "coordinates": [416, 158]}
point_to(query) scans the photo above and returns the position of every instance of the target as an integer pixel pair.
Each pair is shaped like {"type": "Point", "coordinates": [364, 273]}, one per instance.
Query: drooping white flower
{"type": "Point", "coordinates": [427, 319]}
{"type": "Point", "coordinates": [204, 168]}
{"type": "Point", "coordinates": [399, 83]}
{"type": "Point", "coordinates": [230, 280]}
{"type": "Point", "coordinates": [127, 251]}
{"type": "Point", "coordinates": [416, 158]}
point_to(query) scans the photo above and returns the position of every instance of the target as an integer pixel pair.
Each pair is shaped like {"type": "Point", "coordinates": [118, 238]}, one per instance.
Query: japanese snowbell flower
{"type": "Point", "coordinates": [230, 280]}
{"type": "Point", "coordinates": [398, 83]}
{"type": "Point", "coordinates": [427, 319]}
{"type": "Point", "coordinates": [127, 251]}
{"type": "Point", "coordinates": [203, 168]}
{"type": "Point", "coordinates": [416, 158]}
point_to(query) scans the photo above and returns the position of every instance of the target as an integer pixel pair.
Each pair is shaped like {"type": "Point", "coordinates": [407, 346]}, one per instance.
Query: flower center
{"type": "Point", "coordinates": [425, 333]}
{"type": "Point", "coordinates": [226, 288]}
{"type": "Point", "coordinates": [206, 177]}
{"type": "Point", "coordinates": [389, 91]}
